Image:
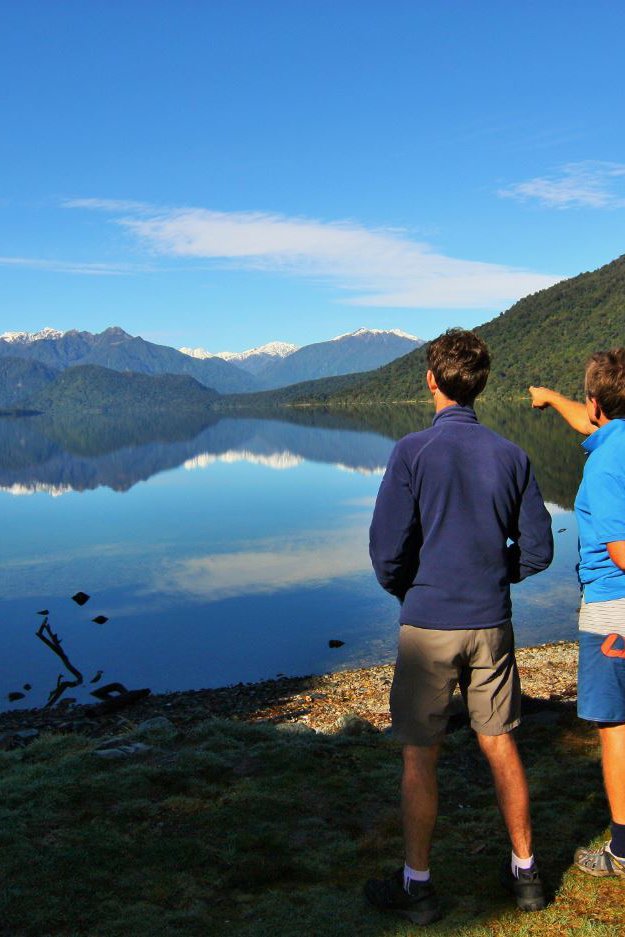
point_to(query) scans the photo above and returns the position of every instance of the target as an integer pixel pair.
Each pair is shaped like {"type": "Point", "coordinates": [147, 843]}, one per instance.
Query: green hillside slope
{"type": "Point", "coordinates": [92, 388]}
{"type": "Point", "coordinates": [545, 338]}
{"type": "Point", "coordinates": [20, 378]}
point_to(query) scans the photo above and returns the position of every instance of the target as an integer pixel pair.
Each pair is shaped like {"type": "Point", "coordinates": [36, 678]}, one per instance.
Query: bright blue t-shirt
{"type": "Point", "coordinates": [600, 512]}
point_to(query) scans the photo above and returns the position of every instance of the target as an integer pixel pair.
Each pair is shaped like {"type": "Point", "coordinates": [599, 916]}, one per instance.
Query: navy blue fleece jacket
{"type": "Point", "coordinates": [458, 517]}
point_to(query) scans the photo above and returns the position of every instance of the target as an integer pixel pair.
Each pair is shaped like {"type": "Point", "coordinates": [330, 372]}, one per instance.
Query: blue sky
{"type": "Point", "coordinates": [229, 173]}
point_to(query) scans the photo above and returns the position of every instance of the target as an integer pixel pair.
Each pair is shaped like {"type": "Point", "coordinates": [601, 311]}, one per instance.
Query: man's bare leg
{"type": "Point", "coordinates": [511, 788]}
{"type": "Point", "coordinates": [602, 861]}
{"type": "Point", "coordinates": [613, 758]}
{"type": "Point", "coordinates": [419, 802]}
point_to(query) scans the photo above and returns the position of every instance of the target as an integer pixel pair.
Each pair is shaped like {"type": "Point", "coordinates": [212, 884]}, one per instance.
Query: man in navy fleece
{"type": "Point", "coordinates": [458, 517]}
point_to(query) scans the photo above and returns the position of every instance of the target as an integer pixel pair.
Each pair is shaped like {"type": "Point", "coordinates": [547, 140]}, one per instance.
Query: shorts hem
{"type": "Point", "coordinates": [505, 729]}
{"type": "Point", "coordinates": [617, 720]}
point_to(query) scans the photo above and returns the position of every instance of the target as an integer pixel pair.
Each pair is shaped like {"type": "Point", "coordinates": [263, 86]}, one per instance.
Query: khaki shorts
{"type": "Point", "coordinates": [431, 663]}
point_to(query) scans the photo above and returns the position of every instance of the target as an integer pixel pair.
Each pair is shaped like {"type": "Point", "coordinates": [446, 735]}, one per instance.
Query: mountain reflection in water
{"type": "Point", "coordinates": [42, 454]}
{"type": "Point", "coordinates": [225, 547]}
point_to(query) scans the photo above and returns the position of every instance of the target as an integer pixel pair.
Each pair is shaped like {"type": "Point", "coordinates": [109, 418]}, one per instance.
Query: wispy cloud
{"type": "Point", "coordinates": [378, 266]}
{"type": "Point", "coordinates": [108, 204]}
{"type": "Point", "coordinates": [588, 184]}
{"type": "Point", "coordinates": [71, 266]}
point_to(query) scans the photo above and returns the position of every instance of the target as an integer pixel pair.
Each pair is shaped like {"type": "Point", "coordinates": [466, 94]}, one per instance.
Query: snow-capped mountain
{"type": "Point", "coordinates": [254, 360]}
{"type": "Point", "coordinates": [366, 332]}
{"type": "Point", "coordinates": [199, 353]}
{"type": "Point", "coordinates": [362, 350]}
{"type": "Point", "coordinates": [26, 338]}
{"type": "Point", "coordinates": [277, 364]}
{"type": "Point", "coordinates": [271, 349]}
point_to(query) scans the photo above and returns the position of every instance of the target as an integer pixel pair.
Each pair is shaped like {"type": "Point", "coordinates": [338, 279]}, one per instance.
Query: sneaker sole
{"type": "Point", "coordinates": [421, 918]}
{"type": "Point", "coordinates": [531, 905]}
{"type": "Point", "coordinates": [599, 873]}
{"type": "Point", "coordinates": [524, 904]}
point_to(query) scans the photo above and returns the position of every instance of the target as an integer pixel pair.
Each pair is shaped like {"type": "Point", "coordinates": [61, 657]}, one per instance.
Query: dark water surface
{"type": "Point", "coordinates": [227, 548]}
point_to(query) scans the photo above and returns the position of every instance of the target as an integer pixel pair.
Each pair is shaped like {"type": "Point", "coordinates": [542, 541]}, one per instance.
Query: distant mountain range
{"type": "Point", "coordinates": [279, 364]}
{"type": "Point", "coordinates": [255, 360]}
{"type": "Point", "coordinates": [29, 361]}
{"type": "Point", "coordinates": [119, 351]}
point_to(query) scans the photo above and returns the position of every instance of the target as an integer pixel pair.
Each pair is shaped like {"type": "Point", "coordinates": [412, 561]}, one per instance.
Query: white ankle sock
{"type": "Point", "coordinates": [414, 875]}
{"type": "Point", "coordinates": [517, 864]}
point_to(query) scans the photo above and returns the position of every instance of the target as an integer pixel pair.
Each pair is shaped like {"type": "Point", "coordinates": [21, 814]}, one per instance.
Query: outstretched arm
{"type": "Point", "coordinates": [573, 412]}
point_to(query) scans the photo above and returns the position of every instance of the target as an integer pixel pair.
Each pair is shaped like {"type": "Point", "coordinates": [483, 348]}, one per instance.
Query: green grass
{"type": "Point", "coordinates": [244, 829]}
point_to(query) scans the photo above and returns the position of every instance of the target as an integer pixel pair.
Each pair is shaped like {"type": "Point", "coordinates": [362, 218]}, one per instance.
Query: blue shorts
{"type": "Point", "coordinates": [601, 678]}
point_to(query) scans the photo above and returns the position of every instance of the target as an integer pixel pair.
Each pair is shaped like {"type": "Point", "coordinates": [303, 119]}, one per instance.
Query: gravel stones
{"type": "Point", "coordinates": [548, 673]}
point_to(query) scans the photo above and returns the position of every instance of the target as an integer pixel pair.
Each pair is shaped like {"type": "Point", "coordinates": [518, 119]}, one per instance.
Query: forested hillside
{"type": "Point", "coordinates": [89, 387]}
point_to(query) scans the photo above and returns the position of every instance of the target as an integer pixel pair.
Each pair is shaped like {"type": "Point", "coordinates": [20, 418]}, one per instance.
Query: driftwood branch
{"type": "Point", "coordinates": [52, 640]}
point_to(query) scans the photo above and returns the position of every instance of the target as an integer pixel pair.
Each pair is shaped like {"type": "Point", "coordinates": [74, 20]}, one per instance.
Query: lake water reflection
{"type": "Point", "coordinates": [225, 550]}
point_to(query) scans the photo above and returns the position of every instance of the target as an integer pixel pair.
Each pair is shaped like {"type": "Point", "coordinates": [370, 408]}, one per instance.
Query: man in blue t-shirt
{"type": "Point", "coordinates": [600, 512]}
{"type": "Point", "coordinates": [458, 518]}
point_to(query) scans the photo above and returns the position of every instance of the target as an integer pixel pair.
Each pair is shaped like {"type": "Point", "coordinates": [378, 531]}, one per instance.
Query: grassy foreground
{"type": "Point", "coordinates": [249, 829]}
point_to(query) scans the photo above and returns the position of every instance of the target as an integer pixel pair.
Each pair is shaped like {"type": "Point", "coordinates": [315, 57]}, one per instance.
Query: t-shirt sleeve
{"type": "Point", "coordinates": [606, 498]}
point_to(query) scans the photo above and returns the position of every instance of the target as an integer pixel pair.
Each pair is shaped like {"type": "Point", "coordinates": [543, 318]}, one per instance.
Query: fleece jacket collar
{"type": "Point", "coordinates": [455, 414]}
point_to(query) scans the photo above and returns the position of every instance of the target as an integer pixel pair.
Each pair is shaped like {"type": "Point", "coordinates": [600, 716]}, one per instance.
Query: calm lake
{"type": "Point", "coordinates": [227, 548]}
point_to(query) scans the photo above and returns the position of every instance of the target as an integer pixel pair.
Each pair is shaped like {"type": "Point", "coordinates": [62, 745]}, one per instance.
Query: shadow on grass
{"type": "Point", "coordinates": [255, 829]}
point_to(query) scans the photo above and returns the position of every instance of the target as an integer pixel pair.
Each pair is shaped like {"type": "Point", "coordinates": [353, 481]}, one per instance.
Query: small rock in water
{"type": "Point", "coordinates": [562, 529]}
{"type": "Point", "coordinates": [100, 619]}
{"type": "Point", "coordinates": [80, 598]}
{"type": "Point", "coordinates": [44, 611]}
{"type": "Point", "coordinates": [14, 695]}
{"type": "Point", "coordinates": [27, 686]}
{"type": "Point", "coordinates": [333, 642]}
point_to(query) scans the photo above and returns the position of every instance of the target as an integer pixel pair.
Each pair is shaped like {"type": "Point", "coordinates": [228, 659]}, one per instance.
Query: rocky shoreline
{"type": "Point", "coordinates": [325, 703]}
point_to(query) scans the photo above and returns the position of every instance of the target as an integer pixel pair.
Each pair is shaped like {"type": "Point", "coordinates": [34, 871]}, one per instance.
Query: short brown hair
{"type": "Point", "coordinates": [605, 381]}
{"type": "Point", "coordinates": [460, 363]}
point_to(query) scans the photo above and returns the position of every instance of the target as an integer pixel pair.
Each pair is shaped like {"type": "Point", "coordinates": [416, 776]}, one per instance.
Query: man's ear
{"type": "Point", "coordinates": [597, 409]}
{"type": "Point", "coordinates": [431, 382]}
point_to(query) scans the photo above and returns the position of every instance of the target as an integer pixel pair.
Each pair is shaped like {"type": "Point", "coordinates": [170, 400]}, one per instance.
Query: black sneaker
{"type": "Point", "coordinates": [527, 887]}
{"type": "Point", "coordinates": [420, 905]}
